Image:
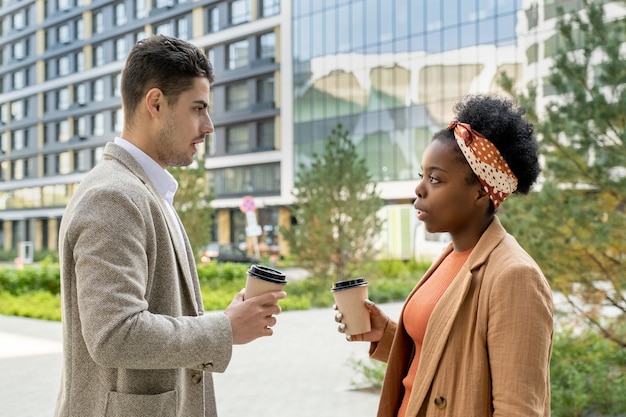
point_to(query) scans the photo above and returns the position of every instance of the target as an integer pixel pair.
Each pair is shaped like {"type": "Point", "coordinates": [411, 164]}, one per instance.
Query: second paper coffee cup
{"type": "Point", "coordinates": [262, 279]}
{"type": "Point", "coordinates": [349, 298]}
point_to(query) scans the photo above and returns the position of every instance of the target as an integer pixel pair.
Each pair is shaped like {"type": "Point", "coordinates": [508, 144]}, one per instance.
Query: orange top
{"type": "Point", "coordinates": [419, 308]}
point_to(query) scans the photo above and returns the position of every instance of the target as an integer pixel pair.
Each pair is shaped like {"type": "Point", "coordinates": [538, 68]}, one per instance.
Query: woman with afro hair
{"type": "Point", "coordinates": [474, 337]}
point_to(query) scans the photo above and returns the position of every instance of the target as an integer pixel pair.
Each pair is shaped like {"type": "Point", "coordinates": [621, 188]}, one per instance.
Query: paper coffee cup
{"type": "Point", "coordinates": [262, 279]}
{"type": "Point", "coordinates": [349, 298]}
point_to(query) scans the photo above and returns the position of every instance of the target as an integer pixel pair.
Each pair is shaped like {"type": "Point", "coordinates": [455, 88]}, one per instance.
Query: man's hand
{"type": "Point", "coordinates": [254, 317]}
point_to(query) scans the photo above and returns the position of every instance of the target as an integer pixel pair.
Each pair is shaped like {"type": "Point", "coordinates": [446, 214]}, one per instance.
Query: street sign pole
{"type": "Point", "coordinates": [248, 207]}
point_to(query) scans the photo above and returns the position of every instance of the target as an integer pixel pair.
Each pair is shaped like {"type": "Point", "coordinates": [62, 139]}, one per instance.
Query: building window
{"type": "Point", "coordinates": [4, 113]}
{"type": "Point", "coordinates": [238, 54]}
{"type": "Point", "coordinates": [120, 49]}
{"type": "Point", "coordinates": [140, 9]}
{"type": "Point", "coordinates": [98, 56]}
{"type": "Point", "coordinates": [210, 54]}
{"type": "Point", "coordinates": [214, 20]}
{"type": "Point", "coordinates": [79, 61]}
{"type": "Point", "coordinates": [79, 29]}
{"type": "Point", "coordinates": [182, 28]}
{"type": "Point", "coordinates": [63, 131]}
{"type": "Point", "coordinates": [116, 82]}
{"type": "Point", "coordinates": [237, 139]}
{"type": "Point", "coordinates": [63, 5]}
{"type": "Point", "coordinates": [64, 66]}
{"type": "Point", "coordinates": [17, 169]}
{"type": "Point", "coordinates": [237, 96]}
{"type": "Point", "coordinates": [20, 20]}
{"type": "Point", "coordinates": [265, 91]}
{"type": "Point", "coordinates": [97, 90]}
{"type": "Point", "coordinates": [97, 124]}
{"type": "Point", "coordinates": [20, 140]}
{"type": "Point", "coordinates": [239, 181]}
{"type": "Point", "coordinates": [63, 34]}
{"type": "Point", "coordinates": [120, 14]}
{"type": "Point", "coordinates": [18, 80]}
{"type": "Point", "coordinates": [80, 94]}
{"type": "Point", "coordinates": [18, 110]}
{"type": "Point", "coordinates": [270, 7]}
{"type": "Point", "coordinates": [48, 133]}
{"type": "Point", "coordinates": [80, 127]}
{"type": "Point", "coordinates": [140, 36]}
{"type": "Point", "coordinates": [19, 50]}
{"type": "Point", "coordinates": [265, 135]}
{"type": "Point", "coordinates": [165, 29]}
{"type": "Point", "coordinates": [161, 4]}
{"type": "Point", "coordinates": [239, 12]}
{"type": "Point", "coordinates": [98, 22]}
{"type": "Point", "coordinates": [63, 99]}
{"type": "Point", "coordinates": [82, 160]}
{"type": "Point", "coordinates": [118, 120]}
{"type": "Point", "coordinates": [267, 46]}
{"type": "Point", "coordinates": [64, 163]}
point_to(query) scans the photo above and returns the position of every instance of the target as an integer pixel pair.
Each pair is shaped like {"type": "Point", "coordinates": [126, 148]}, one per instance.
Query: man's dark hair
{"type": "Point", "coordinates": [163, 62]}
{"type": "Point", "coordinates": [502, 123]}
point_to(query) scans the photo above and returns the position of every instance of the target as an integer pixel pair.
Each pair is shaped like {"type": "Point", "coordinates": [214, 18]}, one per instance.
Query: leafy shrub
{"type": "Point", "coordinates": [38, 305]}
{"type": "Point", "coordinates": [8, 255]}
{"type": "Point", "coordinates": [588, 376]}
{"type": "Point", "coordinates": [220, 282]}
{"type": "Point", "coordinates": [38, 277]}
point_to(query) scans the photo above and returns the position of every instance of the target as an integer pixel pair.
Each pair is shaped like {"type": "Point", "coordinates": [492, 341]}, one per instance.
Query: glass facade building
{"type": "Point", "coordinates": [390, 71]}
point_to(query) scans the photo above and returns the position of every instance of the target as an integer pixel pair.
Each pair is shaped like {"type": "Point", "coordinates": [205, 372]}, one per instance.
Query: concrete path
{"type": "Point", "coordinates": [304, 370]}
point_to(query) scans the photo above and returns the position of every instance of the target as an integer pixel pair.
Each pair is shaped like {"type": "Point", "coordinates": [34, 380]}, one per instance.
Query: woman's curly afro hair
{"type": "Point", "coordinates": [501, 121]}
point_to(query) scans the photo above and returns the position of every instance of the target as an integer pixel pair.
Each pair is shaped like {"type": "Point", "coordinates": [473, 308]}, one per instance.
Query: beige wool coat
{"type": "Point", "coordinates": [136, 341]}
{"type": "Point", "coordinates": [488, 342]}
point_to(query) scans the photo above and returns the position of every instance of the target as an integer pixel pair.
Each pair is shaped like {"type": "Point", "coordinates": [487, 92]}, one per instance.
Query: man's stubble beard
{"type": "Point", "coordinates": [167, 151]}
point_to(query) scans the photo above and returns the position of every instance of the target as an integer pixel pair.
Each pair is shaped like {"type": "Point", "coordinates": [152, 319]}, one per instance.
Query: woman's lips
{"type": "Point", "coordinates": [420, 212]}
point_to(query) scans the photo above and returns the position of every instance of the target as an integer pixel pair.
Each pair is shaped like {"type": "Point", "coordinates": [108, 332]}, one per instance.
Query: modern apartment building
{"type": "Point", "coordinates": [287, 72]}
{"type": "Point", "coordinates": [60, 100]}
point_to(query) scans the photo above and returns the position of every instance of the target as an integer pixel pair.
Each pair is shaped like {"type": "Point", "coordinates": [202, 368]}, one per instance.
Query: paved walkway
{"type": "Point", "coordinates": [304, 370]}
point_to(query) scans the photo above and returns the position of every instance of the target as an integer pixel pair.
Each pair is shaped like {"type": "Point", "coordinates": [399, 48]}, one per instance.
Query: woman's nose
{"type": "Point", "coordinates": [418, 190]}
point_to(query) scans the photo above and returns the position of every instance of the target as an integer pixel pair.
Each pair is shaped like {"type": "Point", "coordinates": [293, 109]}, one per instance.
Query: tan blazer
{"type": "Point", "coordinates": [488, 342]}
{"type": "Point", "coordinates": [135, 339]}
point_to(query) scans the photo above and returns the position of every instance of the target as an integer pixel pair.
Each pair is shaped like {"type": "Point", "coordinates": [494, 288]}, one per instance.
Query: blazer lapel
{"type": "Point", "coordinates": [182, 248]}
{"type": "Point", "coordinates": [447, 309]}
{"type": "Point", "coordinates": [184, 254]}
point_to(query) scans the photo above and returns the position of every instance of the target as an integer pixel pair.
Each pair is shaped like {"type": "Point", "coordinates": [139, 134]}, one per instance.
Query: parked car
{"type": "Point", "coordinates": [226, 252]}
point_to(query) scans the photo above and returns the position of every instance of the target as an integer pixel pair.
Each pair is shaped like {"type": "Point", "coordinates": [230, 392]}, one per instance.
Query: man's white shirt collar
{"type": "Point", "coordinates": [165, 183]}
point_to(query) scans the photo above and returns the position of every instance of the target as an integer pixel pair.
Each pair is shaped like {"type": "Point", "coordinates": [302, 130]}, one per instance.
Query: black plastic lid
{"type": "Point", "coordinates": [350, 283]}
{"type": "Point", "coordinates": [267, 274]}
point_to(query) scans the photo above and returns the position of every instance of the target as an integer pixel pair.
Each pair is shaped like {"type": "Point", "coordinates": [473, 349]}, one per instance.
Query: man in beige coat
{"type": "Point", "coordinates": [136, 339]}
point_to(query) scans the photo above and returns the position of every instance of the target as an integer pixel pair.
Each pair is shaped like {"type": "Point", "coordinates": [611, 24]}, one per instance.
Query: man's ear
{"type": "Point", "coordinates": [154, 100]}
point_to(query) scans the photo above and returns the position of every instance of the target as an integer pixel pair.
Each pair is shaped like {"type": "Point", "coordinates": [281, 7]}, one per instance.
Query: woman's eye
{"type": "Point", "coordinates": [420, 176]}
{"type": "Point", "coordinates": [433, 180]}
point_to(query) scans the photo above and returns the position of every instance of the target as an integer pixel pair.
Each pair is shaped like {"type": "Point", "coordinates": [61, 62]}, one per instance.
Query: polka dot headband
{"type": "Point", "coordinates": [486, 161]}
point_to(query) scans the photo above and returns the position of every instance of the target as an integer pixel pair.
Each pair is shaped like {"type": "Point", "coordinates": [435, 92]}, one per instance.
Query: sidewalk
{"type": "Point", "coordinates": [303, 370]}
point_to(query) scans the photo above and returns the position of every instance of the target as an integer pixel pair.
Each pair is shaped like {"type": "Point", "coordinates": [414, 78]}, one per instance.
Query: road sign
{"type": "Point", "coordinates": [247, 204]}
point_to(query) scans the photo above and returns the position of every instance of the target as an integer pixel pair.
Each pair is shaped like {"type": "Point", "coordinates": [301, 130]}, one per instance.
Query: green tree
{"type": "Point", "coordinates": [192, 202]}
{"type": "Point", "coordinates": [335, 210]}
{"type": "Point", "coordinates": [575, 226]}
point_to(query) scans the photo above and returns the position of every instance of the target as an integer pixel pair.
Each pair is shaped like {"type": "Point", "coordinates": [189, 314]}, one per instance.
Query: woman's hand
{"type": "Point", "coordinates": [378, 320]}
